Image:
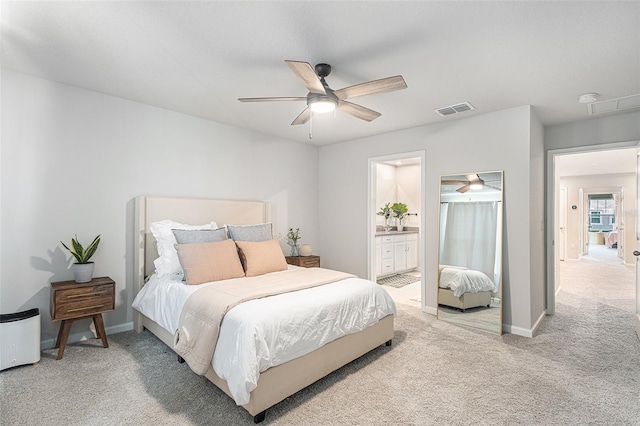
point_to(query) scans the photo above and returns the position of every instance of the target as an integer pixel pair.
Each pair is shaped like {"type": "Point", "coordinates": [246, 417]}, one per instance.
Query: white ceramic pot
{"type": "Point", "coordinates": [82, 272]}
{"type": "Point", "coordinates": [305, 250]}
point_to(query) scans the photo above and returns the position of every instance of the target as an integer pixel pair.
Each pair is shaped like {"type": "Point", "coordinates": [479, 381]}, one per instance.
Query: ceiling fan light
{"type": "Point", "coordinates": [322, 106]}
{"type": "Point", "coordinates": [476, 186]}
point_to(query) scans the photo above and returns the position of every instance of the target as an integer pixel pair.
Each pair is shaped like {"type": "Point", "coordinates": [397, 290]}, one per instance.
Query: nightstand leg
{"type": "Point", "coordinates": [65, 328]}
{"type": "Point", "coordinates": [59, 335]}
{"type": "Point", "coordinates": [97, 320]}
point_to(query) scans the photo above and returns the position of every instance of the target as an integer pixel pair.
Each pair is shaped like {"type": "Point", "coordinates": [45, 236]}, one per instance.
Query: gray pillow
{"type": "Point", "coordinates": [257, 233]}
{"type": "Point", "coordinates": [192, 236]}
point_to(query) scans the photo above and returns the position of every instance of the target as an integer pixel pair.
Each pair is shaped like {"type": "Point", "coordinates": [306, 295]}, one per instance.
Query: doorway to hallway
{"type": "Point", "coordinates": [591, 268]}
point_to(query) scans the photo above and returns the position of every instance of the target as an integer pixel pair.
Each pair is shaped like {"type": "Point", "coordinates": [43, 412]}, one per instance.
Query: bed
{"type": "Point", "coordinates": [463, 288]}
{"type": "Point", "coordinates": [279, 381]}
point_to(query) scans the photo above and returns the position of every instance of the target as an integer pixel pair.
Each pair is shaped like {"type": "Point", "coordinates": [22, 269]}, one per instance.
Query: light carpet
{"type": "Point", "coordinates": [576, 371]}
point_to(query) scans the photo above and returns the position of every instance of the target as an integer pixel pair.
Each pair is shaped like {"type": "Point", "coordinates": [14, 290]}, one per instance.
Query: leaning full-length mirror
{"type": "Point", "coordinates": [470, 250]}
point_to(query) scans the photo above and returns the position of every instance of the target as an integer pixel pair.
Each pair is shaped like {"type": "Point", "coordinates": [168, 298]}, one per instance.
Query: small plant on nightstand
{"type": "Point", "coordinates": [82, 269]}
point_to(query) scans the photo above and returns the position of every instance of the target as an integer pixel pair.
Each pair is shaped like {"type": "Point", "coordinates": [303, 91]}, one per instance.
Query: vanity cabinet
{"type": "Point", "coordinates": [387, 255]}
{"type": "Point", "coordinates": [396, 253]}
{"type": "Point", "coordinates": [412, 251]}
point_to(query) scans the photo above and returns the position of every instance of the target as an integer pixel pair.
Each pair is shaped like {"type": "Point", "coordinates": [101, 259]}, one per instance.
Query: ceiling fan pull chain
{"type": "Point", "coordinates": [311, 126]}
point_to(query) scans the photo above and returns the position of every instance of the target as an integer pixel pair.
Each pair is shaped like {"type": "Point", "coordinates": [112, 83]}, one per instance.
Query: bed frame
{"type": "Point", "coordinates": [276, 383]}
{"type": "Point", "coordinates": [465, 301]}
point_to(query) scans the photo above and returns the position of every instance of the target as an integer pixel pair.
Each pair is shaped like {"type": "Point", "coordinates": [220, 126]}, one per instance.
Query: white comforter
{"type": "Point", "coordinates": [462, 280]}
{"type": "Point", "coordinates": [263, 333]}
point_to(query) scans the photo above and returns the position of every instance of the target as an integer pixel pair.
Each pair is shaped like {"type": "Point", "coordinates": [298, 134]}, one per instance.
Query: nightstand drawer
{"type": "Point", "coordinates": [82, 308]}
{"type": "Point", "coordinates": [82, 295]}
{"type": "Point", "coordinates": [304, 261]}
{"type": "Point", "coordinates": [73, 300]}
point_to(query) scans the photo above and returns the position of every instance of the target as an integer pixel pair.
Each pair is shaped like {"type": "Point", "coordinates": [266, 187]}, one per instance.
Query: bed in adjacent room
{"type": "Point", "coordinates": [257, 328]}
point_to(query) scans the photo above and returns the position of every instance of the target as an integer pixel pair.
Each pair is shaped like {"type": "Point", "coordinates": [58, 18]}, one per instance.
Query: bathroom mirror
{"type": "Point", "coordinates": [470, 250]}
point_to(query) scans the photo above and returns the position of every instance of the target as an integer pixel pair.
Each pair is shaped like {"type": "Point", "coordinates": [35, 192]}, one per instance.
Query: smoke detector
{"type": "Point", "coordinates": [587, 98]}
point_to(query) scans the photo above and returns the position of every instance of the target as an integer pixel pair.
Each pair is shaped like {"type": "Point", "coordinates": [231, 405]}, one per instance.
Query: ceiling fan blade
{"type": "Point", "coordinates": [464, 188]}
{"type": "Point", "coordinates": [492, 187]}
{"type": "Point", "coordinates": [454, 182]}
{"type": "Point", "coordinates": [473, 177]}
{"type": "Point", "coordinates": [388, 84]}
{"type": "Point", "coordinates": [303, 117]}
{"type": "Point", "coordinates": [271, 99]}
{"type": "Point", "coordinates": [358, 111]}
{"type": "Point", "coordinates": [306, 73]}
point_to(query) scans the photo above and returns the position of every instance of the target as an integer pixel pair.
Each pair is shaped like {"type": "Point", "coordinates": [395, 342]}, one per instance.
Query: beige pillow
{"type": "Point", "coordinates": [205, 262]}
{"type": "Point", "coordinates": [261, 257]}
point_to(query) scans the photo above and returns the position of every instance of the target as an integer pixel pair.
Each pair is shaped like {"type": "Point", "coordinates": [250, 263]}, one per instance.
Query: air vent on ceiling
{"type": "Point", "coordinates": [613, 105]}
{"type": "Point", "coordinates": [454, 109]}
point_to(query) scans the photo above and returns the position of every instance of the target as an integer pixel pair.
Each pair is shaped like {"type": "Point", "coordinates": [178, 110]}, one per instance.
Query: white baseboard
{"type": "Point", "coordinates": [537, 323]}
{"type": "Point", "coordinates": [430, 310]}
{"type": "Point", "coordinates": [86, 335]}
{"type": "Point", "coordinates": [524, 332]}
{"type": "Point", "coordinates": [518, 331]}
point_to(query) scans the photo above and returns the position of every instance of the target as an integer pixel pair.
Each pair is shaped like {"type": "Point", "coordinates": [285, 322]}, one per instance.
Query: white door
{"type": "Point", "coordinates": [636, 252]}
{"type": "Point", "coordinates": [562, 229]}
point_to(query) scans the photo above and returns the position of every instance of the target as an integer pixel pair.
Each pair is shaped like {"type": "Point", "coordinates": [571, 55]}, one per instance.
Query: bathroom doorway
{"type": "Point", "coordinates": [396, 224]}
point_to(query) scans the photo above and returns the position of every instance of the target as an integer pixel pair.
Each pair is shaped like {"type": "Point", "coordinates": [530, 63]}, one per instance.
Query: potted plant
{"type": "Point", "coordinates": [399, 212]}
{"type": "Point", "coordinates": [387, 213]}
{"type": "Point", "coordinates": [82, 269]}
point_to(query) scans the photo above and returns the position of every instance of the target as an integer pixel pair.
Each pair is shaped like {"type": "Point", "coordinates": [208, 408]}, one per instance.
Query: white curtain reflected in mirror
{"type": "Point", "coordinates": [470, 250]}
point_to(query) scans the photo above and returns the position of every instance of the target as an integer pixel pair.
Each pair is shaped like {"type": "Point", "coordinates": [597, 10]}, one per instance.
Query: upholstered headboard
{"type": "Point", "coordinates": [194, 211]}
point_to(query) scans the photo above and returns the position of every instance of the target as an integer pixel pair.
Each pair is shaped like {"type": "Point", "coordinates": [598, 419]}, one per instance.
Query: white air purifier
{"type": "Point", "coordinates": [19, 338]}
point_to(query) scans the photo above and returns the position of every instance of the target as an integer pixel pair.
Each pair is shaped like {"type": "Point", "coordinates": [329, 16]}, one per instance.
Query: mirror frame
{"type": "Point", "coordinates": [500, 258]}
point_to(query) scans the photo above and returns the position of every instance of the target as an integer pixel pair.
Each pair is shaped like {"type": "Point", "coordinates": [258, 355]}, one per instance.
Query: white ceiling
{"type": "Point", "coordinates": [596, 163]}
{"type": "Point", "coordinates": [199, 57]}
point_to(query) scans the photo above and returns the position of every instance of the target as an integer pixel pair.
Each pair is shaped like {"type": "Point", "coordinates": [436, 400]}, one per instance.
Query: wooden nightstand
{"type": "Point", "coordinates": [71, 301]}
{"type": "Point", "coordinates": [304, 261]}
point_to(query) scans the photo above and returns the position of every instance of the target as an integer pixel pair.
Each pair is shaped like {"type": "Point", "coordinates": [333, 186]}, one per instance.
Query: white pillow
{"type": "Point", "coordinates": [167, 262]}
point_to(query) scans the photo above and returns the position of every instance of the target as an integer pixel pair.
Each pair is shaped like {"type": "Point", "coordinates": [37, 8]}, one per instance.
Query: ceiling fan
{"type": "Point", "coordinates": [473, 182]}
{"type": "Point", "coordinates": [321, 98]}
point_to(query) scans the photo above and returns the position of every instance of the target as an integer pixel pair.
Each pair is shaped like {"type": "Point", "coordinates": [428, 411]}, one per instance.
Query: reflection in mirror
{"type": "Point", "coordinates": [470, 250]}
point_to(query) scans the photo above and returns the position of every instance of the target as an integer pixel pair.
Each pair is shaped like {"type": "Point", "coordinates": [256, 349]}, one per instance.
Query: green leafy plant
{"type": "Point", "coordinates": [385, 211]}
{"type": "Point", "coordinates": [399, 210]}
{"type": "Point", "coordinates": [293, 236]}
{"type": "Point", "coordinates": [81, 254]}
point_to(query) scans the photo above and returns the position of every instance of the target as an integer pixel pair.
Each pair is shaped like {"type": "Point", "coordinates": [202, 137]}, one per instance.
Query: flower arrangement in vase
{"type": "Point", "coordinates": [292, 239]}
